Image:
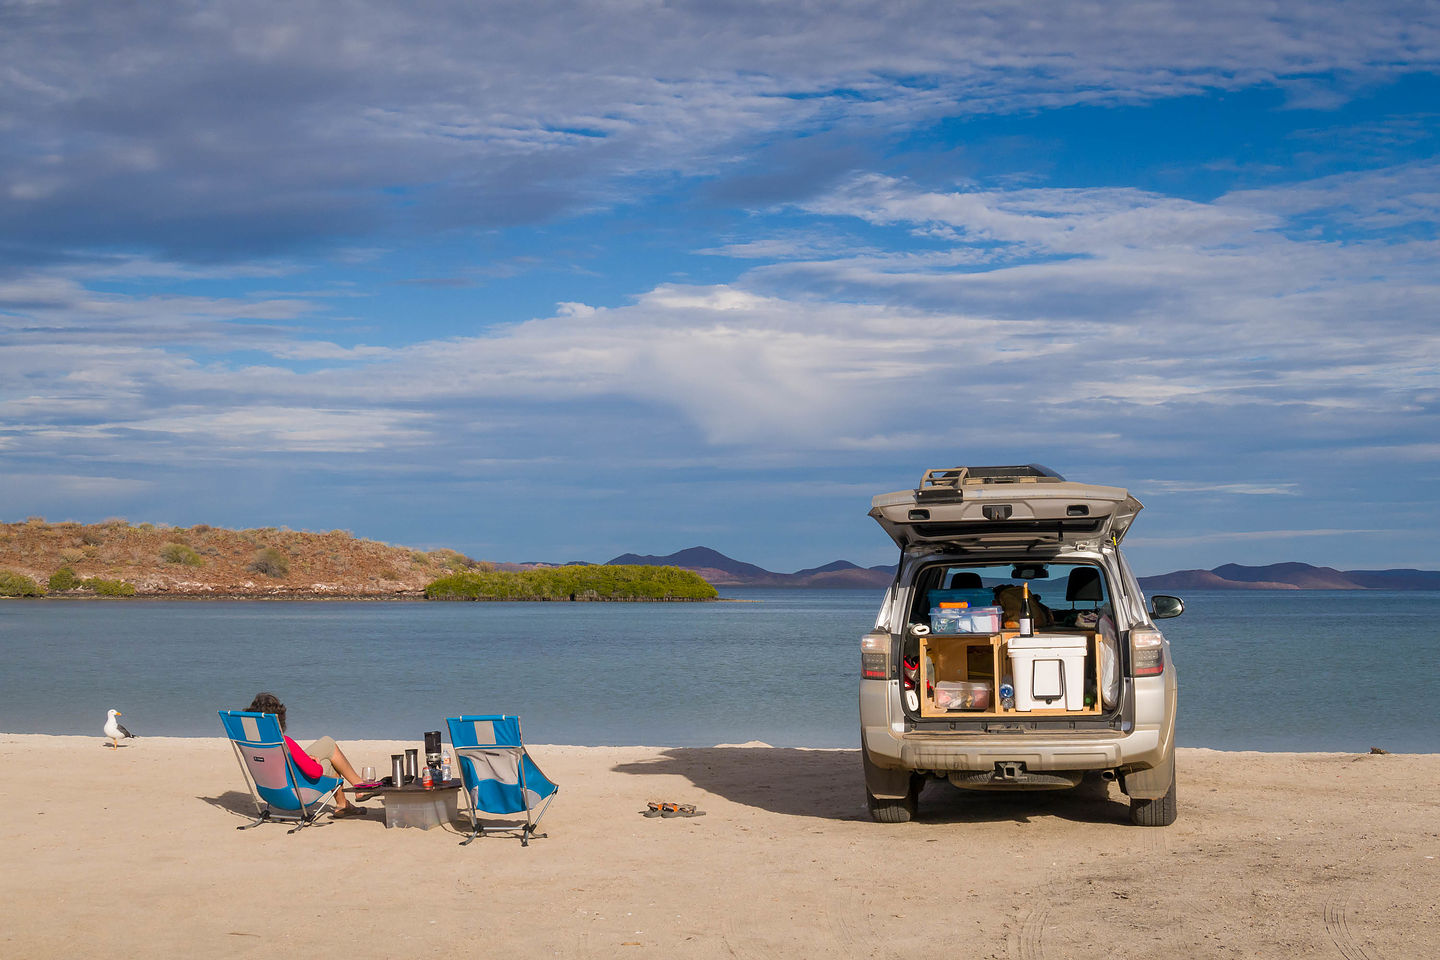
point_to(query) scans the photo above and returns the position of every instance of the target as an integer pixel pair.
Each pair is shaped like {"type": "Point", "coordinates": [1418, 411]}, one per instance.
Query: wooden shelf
{"type": "Point", "coordinates": [953, 661]}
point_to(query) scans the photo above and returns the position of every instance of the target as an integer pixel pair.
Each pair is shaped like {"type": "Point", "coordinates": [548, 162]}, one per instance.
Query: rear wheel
{"type": "Point", "coordinates": [896, 810]}
{"type": "Point", "coordinates": [1159, 812]}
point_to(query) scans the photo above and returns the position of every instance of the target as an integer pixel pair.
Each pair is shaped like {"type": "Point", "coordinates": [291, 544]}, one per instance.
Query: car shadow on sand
{"type": "Point", "coordinates": [829, 785]}
{"type": "Point", "coordinates": [1091, 802]}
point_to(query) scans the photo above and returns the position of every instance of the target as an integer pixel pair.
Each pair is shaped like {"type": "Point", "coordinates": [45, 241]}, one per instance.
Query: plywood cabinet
{"type": "Point", "coordinates": [982, 657]}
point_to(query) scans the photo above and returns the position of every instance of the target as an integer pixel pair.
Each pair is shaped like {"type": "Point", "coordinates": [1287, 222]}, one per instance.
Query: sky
{"type": "Point", "coordinates": [559, 281]}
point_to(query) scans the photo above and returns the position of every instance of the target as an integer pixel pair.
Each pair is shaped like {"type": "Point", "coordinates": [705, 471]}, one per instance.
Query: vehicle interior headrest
{"type": "Point", "coordinates": [1084, 584]}
{"type": "Point", "coordinates": [966, 580]}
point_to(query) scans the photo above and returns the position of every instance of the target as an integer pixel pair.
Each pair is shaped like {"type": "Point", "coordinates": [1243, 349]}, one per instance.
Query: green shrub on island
{"type": "Point", "coordinates": [589, 582]}
{"type": "Point", "coordinates": [108, 588]}
{"type": "Point", "coordinates": [14, 584]}
{"type": "Point", "coordinates": [180, 553]}
{"type": "Point", "coordinates": [64, 581]}
{"type": "Point", "coordinates": [270, 562]}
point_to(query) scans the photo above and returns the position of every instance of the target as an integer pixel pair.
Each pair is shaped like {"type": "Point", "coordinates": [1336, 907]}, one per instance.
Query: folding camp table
{"type": "Point", "coordinates": [414, 806]}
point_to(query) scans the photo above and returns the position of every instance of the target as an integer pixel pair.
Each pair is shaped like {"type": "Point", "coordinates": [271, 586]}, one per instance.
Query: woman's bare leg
{"type": "Point", "coordinates": [343, 767]}
{"type": "Point", "coordinates": [347, 773]}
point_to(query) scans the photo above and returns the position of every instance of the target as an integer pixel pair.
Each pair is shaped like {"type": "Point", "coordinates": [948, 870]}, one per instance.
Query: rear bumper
{"type": "Point", "coordinates": [939, 753]}
{"type": "Point", "coordinates": [893, 752]}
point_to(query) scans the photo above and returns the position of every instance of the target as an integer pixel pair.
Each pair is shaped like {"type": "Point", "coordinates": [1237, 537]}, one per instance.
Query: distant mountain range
{"type": "Point", "coordinates": [722, 571]}
{"type": "Point", "coordinates": [1292, 576]}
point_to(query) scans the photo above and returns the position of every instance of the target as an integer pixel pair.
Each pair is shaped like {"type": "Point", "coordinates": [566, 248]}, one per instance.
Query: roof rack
{"type": "Point", "coordinates": [945, 483]}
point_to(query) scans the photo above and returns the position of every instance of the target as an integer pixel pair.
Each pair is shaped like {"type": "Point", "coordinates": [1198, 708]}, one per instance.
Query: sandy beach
{"type": "Point", "coordinates": [134, 853]}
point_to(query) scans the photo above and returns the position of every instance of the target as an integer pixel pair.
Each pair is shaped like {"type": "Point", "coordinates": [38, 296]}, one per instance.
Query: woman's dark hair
{"type": "Point", "coordinates": [268, 703]}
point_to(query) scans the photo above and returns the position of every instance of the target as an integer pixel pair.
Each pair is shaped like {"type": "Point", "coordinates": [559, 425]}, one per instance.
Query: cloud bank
{"type": "Point", "coordinates": [208, 210]}
{"type": "Point", "coordinates": [209, 130]}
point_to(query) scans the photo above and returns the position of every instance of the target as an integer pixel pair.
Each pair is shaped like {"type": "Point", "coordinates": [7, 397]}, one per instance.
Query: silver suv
{"type": "Point", "coordinates": [952, 687]}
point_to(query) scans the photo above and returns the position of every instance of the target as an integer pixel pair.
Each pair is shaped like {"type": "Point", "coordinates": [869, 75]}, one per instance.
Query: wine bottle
{"type": "Point", "coordinates": [1027, 621]}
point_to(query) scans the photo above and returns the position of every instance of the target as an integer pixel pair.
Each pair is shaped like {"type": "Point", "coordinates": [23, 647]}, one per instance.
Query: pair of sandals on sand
{"type": "Point", "coordinates": [660, 808]}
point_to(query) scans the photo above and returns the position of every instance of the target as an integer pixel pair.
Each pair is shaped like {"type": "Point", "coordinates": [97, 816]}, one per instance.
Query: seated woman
{"type": "Point", "coordinates": [321, 758]}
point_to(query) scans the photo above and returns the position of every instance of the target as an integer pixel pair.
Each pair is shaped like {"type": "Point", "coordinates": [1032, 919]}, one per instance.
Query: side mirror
{"type": "Point", "coordinates": [1163, 607]}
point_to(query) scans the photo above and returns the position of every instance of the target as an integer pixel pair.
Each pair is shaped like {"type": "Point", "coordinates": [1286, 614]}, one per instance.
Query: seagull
{"type": "Point", "coordinates": [115, 730]}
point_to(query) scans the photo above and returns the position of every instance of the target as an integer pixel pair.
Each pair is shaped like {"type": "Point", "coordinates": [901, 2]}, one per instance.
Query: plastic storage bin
{"type": "Point", "coordinates": [948, 619]}
{"type": "Point", "coordinates": [962, 695]}
{"type": "Point", "coordinates": [1049, 671]}
{"type": "Point", "coordinates": [421, 808]}
{"type": "Point", "coordinates": [981, 620]}
{"type": "Point", "coordinates": [973, 598]}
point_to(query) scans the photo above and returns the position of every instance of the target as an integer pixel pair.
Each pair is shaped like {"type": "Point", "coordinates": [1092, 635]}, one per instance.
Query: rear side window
{"type": "Point", "coordinates": [1135, 608]}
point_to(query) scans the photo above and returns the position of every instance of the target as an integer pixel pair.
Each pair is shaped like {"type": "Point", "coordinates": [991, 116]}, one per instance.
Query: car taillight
{"type": "Point", "coordinates": [876, 661]}
{"type": "Point", "coordinates": [1147, 652]}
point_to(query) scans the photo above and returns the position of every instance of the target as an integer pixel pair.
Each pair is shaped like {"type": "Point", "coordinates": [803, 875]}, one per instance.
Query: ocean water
{"type": "Point", "coordinates": [1283, 670]}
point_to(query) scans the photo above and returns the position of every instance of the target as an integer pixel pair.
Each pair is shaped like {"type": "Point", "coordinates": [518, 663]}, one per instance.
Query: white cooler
{"type": "Point", "coordinates": [1049, 671]}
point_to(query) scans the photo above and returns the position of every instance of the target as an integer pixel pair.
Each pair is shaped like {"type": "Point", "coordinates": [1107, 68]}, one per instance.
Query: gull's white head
{"type": "Point", "coordinates": [115, 713]}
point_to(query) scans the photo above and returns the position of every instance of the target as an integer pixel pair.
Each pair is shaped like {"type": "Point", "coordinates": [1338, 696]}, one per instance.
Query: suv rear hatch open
{"type": "Point", "coordinates": [1024, 507]}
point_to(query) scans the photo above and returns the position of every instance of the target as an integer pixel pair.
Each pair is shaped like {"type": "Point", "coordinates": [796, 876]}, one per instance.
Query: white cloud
{"type": "Point", "coordinates": [34, 486]}
{"type": "Point", "coordinates": [1242, 489]}
{"type": "Point", "coordinates": [1139, 306]}
{"type": "Point", "coordinates": [540, 107]}
{"type": "Point", "coordinates": [1091, 221]}
{"type": "Point", "coordinates": [1242, 536]}
{"type": "Point", "coordinates": [264, 428]}
{"type": "Point", "coordinates": [789, 245]}
{"type": "Point", "coordinates": [1091, 324]}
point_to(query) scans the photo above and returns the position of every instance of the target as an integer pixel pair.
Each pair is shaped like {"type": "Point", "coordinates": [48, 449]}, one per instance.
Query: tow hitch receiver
{"type": "Point", "coordinates": [1009, 770]}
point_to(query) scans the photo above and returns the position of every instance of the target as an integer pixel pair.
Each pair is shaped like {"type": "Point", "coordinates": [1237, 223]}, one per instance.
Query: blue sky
{"type": "Point", "coordinates": [553, 281]}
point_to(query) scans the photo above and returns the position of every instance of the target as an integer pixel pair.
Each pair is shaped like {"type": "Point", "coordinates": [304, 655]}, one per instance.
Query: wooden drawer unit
{"type": "Point", "coordinates": [983, 657]}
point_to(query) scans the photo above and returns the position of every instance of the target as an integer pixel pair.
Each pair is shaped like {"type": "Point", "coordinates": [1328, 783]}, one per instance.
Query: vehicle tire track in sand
{"type": "Point", "coordinates": [741, 943]}
{"type": "Point", "coordinates": [840, 927]}
{"type": "Point", "coordinates": [1159, 839]}
{"type": "Point", "coordinates": [1337, 924]}
{"type": "Point", "coordinates": [1031, 943]}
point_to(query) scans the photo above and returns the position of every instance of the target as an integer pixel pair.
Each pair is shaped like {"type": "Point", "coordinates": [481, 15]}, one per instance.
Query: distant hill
{"type": "Point", "coordinates": [1397, 579]}
{"type": "Point", "coordinates": [204, 561]}
{"type": "Point", "coordinates": [723, 571]}
{"type": "Point", "coordinates": [1292, 576]}
{"type": "Point", "coordinates": [703, 561]}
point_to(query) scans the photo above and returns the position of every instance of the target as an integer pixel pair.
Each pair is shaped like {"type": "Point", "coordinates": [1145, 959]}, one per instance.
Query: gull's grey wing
{"type": "Point", "coordinates": [124, 732]}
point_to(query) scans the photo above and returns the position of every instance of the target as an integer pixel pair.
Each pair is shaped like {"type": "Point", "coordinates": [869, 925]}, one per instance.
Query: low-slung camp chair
{"type": "Point", "coordinates": [499, 776]}
{"type": "Point", "coordinates": [280, 790]}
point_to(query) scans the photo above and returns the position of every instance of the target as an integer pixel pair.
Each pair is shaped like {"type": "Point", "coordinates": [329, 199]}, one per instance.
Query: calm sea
{"type": "Point", "coordinates": [1285, 670]}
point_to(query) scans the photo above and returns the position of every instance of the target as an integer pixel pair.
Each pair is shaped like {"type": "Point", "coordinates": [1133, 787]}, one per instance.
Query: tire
{"type": "Point", "coordinates": [901, 810]}
{"type": "Point", "coordinates": [1159, 812]}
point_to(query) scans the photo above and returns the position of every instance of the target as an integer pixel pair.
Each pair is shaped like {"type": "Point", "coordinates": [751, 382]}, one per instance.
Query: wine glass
{"type": "Point", "coordinates": [367, 774]}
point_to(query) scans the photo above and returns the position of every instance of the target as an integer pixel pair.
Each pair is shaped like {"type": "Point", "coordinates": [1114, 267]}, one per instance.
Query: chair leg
{"type": "Point", "coordinates": [310, 822]}
{"type": "Point", "coordinates": [475, 829]}
{"type": "Point", "coordinates": [263, 818]}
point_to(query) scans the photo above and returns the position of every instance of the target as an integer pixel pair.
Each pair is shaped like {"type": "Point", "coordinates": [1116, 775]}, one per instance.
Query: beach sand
{"type": "Point", "coordinates": [134, 853]}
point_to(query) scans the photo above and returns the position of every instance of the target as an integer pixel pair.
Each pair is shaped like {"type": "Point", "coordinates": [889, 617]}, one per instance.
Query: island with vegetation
{"type": "Point", "coordinates": [115, 558]}
{"type": "Point", "coordinates": [575, 582]}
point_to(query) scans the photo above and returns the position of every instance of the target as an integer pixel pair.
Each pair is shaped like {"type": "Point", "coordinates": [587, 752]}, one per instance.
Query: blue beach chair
{"type": "Point", "coordinates": [499, 776]}
{"type": "Point", "coordinates": [280, 790]}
